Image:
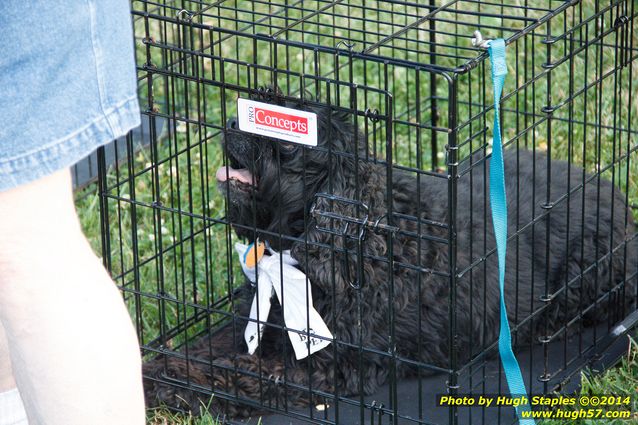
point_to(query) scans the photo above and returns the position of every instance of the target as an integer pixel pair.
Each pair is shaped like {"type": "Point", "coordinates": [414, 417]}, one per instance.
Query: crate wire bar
{"type": "Point", "coordinates": [419, 95]}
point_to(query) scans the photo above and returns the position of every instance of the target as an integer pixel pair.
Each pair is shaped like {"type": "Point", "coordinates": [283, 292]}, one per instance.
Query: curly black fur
{"type": "Point", "coordinates": [276, 209]}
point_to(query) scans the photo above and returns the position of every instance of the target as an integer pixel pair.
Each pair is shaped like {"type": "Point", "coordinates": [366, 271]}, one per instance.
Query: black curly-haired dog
{"type": "Point", "coordinates": [270, 186]}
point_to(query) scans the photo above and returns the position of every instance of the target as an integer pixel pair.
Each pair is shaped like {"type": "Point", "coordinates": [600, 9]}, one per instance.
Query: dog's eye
{"type": "Point", "coordinates": [288, 147]}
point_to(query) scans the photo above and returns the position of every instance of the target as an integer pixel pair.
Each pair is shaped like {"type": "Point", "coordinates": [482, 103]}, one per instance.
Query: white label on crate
{"type": "Point", "coordinates": [287, 124]}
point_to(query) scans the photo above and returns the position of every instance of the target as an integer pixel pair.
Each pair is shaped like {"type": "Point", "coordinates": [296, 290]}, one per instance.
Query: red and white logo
{"type": "Point", "coordinates": [293, 123]}
{"type": "Point", "coordinates": [276, 121]}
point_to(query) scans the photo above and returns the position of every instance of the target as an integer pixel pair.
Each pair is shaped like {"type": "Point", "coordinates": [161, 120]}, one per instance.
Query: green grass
{"type": "Point", "coordinates": [161, 416]}
{"type": "Point", "coordinates": [166, 417]}
{"type": "Point", "coordinates": [621, 380]}
{"type": "Point", "coordinates": [198, 267]}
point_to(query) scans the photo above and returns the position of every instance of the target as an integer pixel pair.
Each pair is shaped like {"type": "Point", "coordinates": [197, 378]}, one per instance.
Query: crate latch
{"type": "Point", "coordinates": [329, 218]}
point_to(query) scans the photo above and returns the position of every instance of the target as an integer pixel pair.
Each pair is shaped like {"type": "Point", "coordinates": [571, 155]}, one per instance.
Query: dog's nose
{"type": "Point", "coordinates": [232, 124]}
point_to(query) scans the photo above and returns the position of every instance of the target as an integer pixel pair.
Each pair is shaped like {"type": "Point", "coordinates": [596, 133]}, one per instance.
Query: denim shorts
{"type": "Point", "coordinates": [67, 83]}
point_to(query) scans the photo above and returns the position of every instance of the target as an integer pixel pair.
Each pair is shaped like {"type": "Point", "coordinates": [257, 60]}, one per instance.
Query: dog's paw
{"type": "Point", "coordinates": [165, 381]}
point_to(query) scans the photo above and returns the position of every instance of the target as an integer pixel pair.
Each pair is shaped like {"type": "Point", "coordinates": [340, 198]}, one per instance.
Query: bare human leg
{"type": "Point", "coordinates": [73, 349]}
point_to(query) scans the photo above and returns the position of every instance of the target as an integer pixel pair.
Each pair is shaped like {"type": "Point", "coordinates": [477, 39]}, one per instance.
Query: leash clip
{"type": "Point", "coordinates": [479, 41]}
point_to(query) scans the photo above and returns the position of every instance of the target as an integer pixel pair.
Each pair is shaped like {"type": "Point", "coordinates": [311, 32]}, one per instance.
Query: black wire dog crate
{"type": "Point", "coordinates": [388, 216]}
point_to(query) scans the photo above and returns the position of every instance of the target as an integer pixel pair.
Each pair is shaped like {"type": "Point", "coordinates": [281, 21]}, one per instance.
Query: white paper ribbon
{"type": "Point", "coordinates": [295, 296]}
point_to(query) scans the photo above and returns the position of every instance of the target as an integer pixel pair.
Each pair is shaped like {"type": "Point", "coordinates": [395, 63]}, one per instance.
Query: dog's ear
{"type": "Point", "coordinates": [339, 142]}
{"type": "Point", "coordinates": [332, 261]}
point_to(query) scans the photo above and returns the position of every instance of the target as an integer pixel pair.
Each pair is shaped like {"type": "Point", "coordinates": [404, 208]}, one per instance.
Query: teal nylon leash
{"type": "Point", "coordinates": [498, 201]}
